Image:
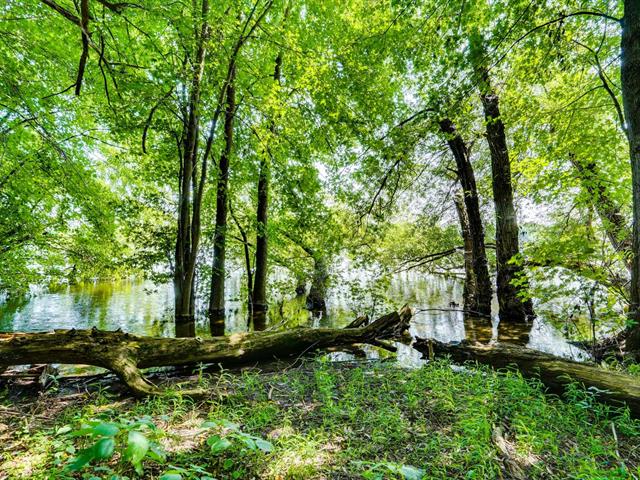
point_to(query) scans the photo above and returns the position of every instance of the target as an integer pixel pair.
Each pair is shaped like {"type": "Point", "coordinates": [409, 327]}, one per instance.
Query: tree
{"type": "Point", "coordinates": [481, 293]}
{"type": "Point", "coordinates": [515, 306]}
{"type": "Point", "coordinates": [630, 84]}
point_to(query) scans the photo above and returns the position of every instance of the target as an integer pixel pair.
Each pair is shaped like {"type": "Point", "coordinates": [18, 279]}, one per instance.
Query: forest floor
{"type": "Point", "coordinates": [317, 419]}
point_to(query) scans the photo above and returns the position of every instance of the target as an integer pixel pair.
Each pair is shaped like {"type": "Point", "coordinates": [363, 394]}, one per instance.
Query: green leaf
{"type": "Point", "coordinates": [230, 425]}
{"type": "Point", "coordinates": [137, 448]}
{"type": "Point", "coordinates": [170, 476]}
{"type": "Point", "coordinates": [63, 430]}
{"type": "Point", "coordinates": [104, 448]}
{"type": "Point", "coordinates": [218, 444]}
{"type": "Point", "coordinates": [156, 453]}
{"type": "Point", "coordinates": [81, 460]}
{"type": "Point", "coordinates": [411, 473]}
{"type": "Point", "coordinates": [106, 430]}
{"type": "Point", "coordinates": [249, 442]}
{"type": "Point", "coordinates": [264, 445]}
{"type": "Point", "coordinates": [210, 425]}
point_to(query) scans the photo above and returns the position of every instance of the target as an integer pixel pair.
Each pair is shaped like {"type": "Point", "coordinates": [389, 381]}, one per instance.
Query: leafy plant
{"type": "Point", "coordinates": [191, 472]}
{"type": "Point", "coordinates": [379, 471]}
{"type": "Point", "coordinates": [133, 439]}
{"type": "Point", "coordinates": [232, 435]}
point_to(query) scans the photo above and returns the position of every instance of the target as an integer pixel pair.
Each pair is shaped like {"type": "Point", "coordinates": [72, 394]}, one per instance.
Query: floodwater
{"type": "Point", "coordinates": [144, 308]}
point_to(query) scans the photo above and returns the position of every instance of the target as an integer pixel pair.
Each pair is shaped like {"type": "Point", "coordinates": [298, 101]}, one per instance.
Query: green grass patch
{"type": "Point", "coordinates": [327, 420]}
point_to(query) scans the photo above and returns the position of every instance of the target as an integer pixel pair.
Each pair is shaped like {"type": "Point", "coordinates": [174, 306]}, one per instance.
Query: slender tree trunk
{"type": "Point", "coordinates": [259, 297]}
{"type": "Point", "coordinates": [188, 214]}
{"type": "Point", "coordinates": [514, 303]}
{"type": "Point", "coordinates": [216, 298]}
{"type": "Point", "coordinates": [316, 299]}
{"type": "Point", "coordinates": [630, 76]}
{"type": "Point", "coordinates": [470, 276]}
{"type": "Point", "coordinates": [483, 292]}
{"type": "Point", "coordinates": [613, 221]}
{"type": "Point", "coordinates": [513, 307]}
{"type": "Point", "coordinates": [247, 258]}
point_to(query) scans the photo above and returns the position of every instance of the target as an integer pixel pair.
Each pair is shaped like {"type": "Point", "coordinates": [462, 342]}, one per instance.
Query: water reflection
{"type": "Point", "coordinates": [144, 308]}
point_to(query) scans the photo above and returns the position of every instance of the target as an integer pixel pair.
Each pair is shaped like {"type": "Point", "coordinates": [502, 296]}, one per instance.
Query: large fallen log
{"type": "Point", "coordinates": [125, 354]}
{"type": "Point", "coordinates": [554, 372]}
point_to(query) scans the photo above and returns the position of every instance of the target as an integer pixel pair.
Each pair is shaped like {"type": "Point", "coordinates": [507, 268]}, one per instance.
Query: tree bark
{"type": "Point", "coordinates": [247, 258]}
{"type": "Point", "coordinates": [316, 298]}
{"type": "Point", "coordinates": [216, 298]}
{"type": "Point", "coordinates": [630, 83]}
{"type": "Point", "coordinates": [483, 292]}
{"type": "Point", "coordinates": [470, 287]}
{"type": "Point", "coordinates": [259, 297]}
{"type": "Point", "coordinates": [126, 354]}
{"type": "Point", "coordinates": [514, 303]}
{"type": "Point", "coordinates": [188, 234]}
{"type": "Point", "coordinates": [554, 372]}
{"type": "Point", "coordinates": [613, 221]}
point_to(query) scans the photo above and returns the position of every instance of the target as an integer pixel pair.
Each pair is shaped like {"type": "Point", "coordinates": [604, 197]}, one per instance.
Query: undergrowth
{"type": "Point", "coordinates": [328, 420]}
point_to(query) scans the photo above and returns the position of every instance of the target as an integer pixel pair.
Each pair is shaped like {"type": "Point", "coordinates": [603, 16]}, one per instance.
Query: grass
{"type": "Point", "coordinates": [334, 421]}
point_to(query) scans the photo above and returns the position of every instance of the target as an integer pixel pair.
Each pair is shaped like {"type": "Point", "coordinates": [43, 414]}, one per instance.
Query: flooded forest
{"type": "Point", "coordinates": [320, 239]}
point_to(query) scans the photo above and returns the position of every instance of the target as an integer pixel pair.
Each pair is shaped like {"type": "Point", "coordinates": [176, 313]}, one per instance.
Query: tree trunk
{"type": "Point", "coordinates": [512, 306]}
{"type": "Point", "coordinates": [316, 298]}
{"type": "Point", "coordinates": [613, 221]}
{"type": "Point", "coordinates": [247, 257]}
{"type": "Point", "coordinates": [554, 372]}
{"type": "Point", "coordinates": [188, 234]}
{"type": "Point", "coordinates": [483, 293]}
{"type": "Point", "coordinates": [262, 255]}
{"type": "Point", "coordinates": [259, 297]}
{"type": "Point", "coordinates": [470, 276]}
{"type": "Point", "coordinates": [514, 303]}
{"type": "Point", "coordinates": [126, 354]}
{"type": "Point", "coordinates": [216, 298]}
{"type": "Point", "coordinates": [630, 83]}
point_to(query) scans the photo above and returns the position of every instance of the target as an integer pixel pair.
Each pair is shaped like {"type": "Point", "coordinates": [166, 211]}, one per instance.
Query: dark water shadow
{"type": "Point", "coordinates": [515, 333]}
{"type": "Point", "coordinates": [478, 329]}
{"type": "Point", "coordinates": [483, 330]}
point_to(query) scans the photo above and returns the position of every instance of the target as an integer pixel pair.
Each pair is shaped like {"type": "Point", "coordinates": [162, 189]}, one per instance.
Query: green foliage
{"type": "Point", "coordinates": [358, 167]}
{"type": "Point", "coordinates": [134, 440]}
{"type": "Point", "coordinates": [323, 420]}
{"type": "Point", "coordinates": [233, 435]}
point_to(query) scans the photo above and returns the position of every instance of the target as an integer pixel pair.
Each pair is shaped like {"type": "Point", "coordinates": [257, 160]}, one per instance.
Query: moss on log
{"type": "Point", "coordinates": [554, 372]}
{"type": "Point", "coordinates": [125, 354]}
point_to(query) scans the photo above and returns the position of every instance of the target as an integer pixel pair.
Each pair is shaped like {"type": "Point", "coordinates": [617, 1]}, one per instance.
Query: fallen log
{"type": "Point", "coordinates": [554, 372]}
{"type": "Point", "coordinates": [125, 354]}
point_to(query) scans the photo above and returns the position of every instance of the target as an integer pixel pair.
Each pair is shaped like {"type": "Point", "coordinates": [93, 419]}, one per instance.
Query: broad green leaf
{"type": "Point", "coordinates": [264, 445]}
{"type": "Point", "coordinates": [81, 460]}
{"type": "Point", "coordinates": [104, 448]}
{"type": "Point", "coordinates": [106, 430]}
{"type": "Point", "coordinates": [137, 447]}
{"type": "Point", "coordinates": [411, 473]}
{"type": "Point", "coordinates": [170, 476]}
{"type": "Point", "coordinates": [218, 444]}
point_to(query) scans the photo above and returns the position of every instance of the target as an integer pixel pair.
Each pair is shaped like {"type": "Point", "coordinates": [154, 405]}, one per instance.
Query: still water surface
{"type": "Point", "coordinates": [144, 308]}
